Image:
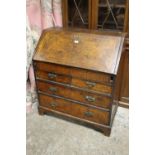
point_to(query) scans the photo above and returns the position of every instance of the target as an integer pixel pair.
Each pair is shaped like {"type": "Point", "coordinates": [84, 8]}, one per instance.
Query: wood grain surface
{"type": "Point", "coordinates": [93, 51]}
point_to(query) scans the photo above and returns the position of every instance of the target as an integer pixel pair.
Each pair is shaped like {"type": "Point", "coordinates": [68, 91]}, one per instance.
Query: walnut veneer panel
{"type": "Point", "coordinates": [77, 110]}
{"type": "Point", "coordinates": [74, 72]}
{"type": "Point", "coordinates": [95, 86]}
{"type": "Point", "coordinates": [75, 94]}
{"type": "Point", "coordinates": [91, 85]}
{"type": "Point", "coordinates": [94, 51]}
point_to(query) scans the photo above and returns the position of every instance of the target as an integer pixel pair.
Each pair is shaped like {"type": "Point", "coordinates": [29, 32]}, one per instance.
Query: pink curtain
{"type": "Point", "coordinates": [44, 13]}
{"type": "Point", "coordinates": [41, 14]}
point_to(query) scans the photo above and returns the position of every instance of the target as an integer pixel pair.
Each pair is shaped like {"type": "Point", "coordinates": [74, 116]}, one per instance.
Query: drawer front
{"type": "Point", "coordinates": [52, 76]}
{"type": "Point", "coordinates": [77, 110]}
{"type": "Point", "coordinates": [51, 68]}
{"type": "Point", "coordinates": [54, 103]}
{"type": "Point", "coordinates": [92, 76]}
{"type": "Point", "coordinates": [92, 85]}
{"type": "Point", "coordinates": [99, 77]}
{"type": "Point", "coordinates": [74, 72]}
{"type": "Point", "coordinates": [74, 94]}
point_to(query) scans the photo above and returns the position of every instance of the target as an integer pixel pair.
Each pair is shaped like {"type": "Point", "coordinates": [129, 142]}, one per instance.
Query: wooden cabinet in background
{"type": "Point", "coordinates": [102, 15]}
{"type": "Point", "coordinates": [96, 14]}
{"type": "Point", "coordinates": [109, 14]}
{"type": "Point", "coordinates": [124, 92]}
{"type": "Point", "coordinates": [77, 13]}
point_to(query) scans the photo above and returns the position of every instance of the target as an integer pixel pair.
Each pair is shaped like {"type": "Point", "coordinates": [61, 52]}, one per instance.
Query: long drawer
{"type": "Point", "coordinates": [74, 72]}
{"type": "Point", "coordinates": [74, 94]}
{"type": "Point", "coordinates": [77, 110]}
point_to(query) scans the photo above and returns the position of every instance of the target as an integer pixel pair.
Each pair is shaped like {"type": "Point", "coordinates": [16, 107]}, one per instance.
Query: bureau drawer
{"type": "Point", "coordinates": [92, 85]}
{"type": "Point", "coordinates": [92, 76]}
{"type": "Point", "coordinates": [52, 76]}
{"type": "Point", "coordinates": [74, 94]}
{"type": "Point", "coordinates": [77, 110]}
{"type": "Point", "coordinates": [47, 67]}
{"type": "Point", "coordinates": [74, 72]}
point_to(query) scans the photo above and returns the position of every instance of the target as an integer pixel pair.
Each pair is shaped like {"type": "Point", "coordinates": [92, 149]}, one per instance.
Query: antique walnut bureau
{"type": "Point", "coordinates": [76, 75]}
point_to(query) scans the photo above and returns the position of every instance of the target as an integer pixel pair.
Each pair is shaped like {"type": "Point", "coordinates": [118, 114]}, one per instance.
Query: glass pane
{"type": "Point", "coordinates": [111, 14]}
{"type": "Point", "coordinates": [78, 13]}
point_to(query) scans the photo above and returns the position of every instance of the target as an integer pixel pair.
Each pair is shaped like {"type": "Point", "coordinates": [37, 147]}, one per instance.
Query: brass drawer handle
{"type": "Point", "coordinates": [90, 98]}
{"type": "Point", "coordinates": [53, 89]}
{"type": "Point", "coordinates": [90, 84]}
{"type": "Point", "coordinates": [53, 104]}
{"type": "Point", "coordinates": [88, 114]}
{"type": "Point", "coordinates": [52, 75]}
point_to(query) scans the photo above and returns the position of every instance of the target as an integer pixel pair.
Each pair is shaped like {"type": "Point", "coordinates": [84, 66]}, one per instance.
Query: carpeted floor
{"type": "Point", "coordinates": [48, 135]}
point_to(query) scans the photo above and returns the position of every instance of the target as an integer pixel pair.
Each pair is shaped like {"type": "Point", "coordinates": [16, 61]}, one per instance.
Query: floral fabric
{"type": "Point", "coordinates": [41, 14]}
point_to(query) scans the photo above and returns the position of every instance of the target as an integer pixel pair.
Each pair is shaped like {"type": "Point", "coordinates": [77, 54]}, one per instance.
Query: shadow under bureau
{"type": "Point", "coordinates": [76, 75]}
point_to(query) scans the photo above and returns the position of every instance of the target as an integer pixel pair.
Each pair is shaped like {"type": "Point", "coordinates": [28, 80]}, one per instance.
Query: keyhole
{"type": "Point", "coordinates": [111, 79]}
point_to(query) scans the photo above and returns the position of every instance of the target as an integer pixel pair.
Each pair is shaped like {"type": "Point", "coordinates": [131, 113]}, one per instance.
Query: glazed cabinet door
{"type": "Point", "coordinates": [76, 13]}
{"type": "Point", "coordinates": [111, 15]}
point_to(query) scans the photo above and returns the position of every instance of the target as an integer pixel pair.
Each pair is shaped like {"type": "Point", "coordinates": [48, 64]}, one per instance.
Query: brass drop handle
{"type": "Point", "coordinates": [88, 114]}
{"type": "Point", "coordinates": [53, 89]}
{"type": "Point", "coordinates": [90, 84]}
{"type": "Point", "coordinates": [52, 75]}
{"type": "Point", "coordinates": [53, 104]}
{"type": "Point", "coordinates": [90, 98]}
